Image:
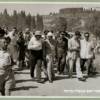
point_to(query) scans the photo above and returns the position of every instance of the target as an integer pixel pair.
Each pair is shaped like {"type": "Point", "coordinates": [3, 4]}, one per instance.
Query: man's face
{"type": "Point", "coordinates": [77, 37]}
{"type": "Point", "coordinates": [38, 37]}
{"type": "Point", "coordinates": [5, 45]}
{"type": "Point", "coordinates": [50, 37]}
{"type": "Point", "coordinates": [62, 35]}
{"type": "Point", "coordinates": [86, 37]}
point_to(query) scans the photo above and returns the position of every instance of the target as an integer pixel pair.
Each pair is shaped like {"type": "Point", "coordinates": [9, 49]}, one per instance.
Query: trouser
{"type": "Point", "coordinates": [20, 64]}
{"type": "Point", "coordinates": [86, 65]}
{"type": "Point", "coordinates": [7, 83]}
{"type": "Point", "coordinates": [78, 67]}
{"type": "Point", "coordinates": [48, 63]}
{"type": "Point", "coordinates": [27, 52]}
{"type": "Point", "coordinates": [21, 58]}
{"type": "Point", "coordinates": [61, 63]}
{"type": "Point", "coordinates": [36, 62]}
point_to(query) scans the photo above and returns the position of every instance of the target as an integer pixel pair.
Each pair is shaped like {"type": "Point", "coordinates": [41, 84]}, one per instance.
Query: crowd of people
{"type": "Point", "coordinates": [40, 51]}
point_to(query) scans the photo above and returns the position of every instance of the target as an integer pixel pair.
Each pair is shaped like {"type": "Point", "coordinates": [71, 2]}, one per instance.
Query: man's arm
{"type": "Point", "coordinates": [32, 46]}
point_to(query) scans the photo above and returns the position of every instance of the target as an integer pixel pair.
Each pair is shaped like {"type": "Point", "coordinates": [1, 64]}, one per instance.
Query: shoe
{"type": "Point", "coordinates": [32, 75]}
{"type": "Point", "coordinates": [50, 81]}
{"type": "Point", "coordinates": [82, 79]}
{"type": "Point", "coordinates": [86, 76]}
{"type": "Point", "coordinates": [40, 81]}
{"type": "Point", "coordinates": [69, 76]}
{"type": "Point", "coordinates": [58, 73]}
{"type": "Point", "coordinates": [20, 69]}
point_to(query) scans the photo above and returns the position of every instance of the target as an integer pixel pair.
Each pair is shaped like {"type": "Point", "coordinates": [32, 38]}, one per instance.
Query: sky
{"type": "Point", "coordinates": [41, 8]}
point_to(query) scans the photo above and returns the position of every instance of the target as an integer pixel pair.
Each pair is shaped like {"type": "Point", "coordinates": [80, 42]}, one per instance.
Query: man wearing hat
{"type": "Point", "coordinates": [74, 56]}
{"type": "Point", "coordinates": [35, 47]}
{"type": "Point", "coordinates": [61, 51]}
{"type": "Point", "coordinates": [49, 55]}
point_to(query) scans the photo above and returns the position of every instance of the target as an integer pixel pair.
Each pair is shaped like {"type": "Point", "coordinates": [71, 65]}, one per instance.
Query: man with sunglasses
{"type": "Point", "coordinates": [87, 54]}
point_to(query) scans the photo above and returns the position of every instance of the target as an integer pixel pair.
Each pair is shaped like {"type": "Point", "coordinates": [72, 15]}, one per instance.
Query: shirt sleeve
{"type": "Point", "coordinates": [69, 45]}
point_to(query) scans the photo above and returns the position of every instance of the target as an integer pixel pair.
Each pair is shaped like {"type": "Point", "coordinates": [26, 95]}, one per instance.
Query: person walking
{"type": "Point", "coordinates": [87, 54]}
{"type": "Point", "coordinates": [61, 51]}
{"type": "Point", "coordinates": [74, 56]}
{"type": "Point", "coordinates": [49, 56]}
{"type": "Point", "coordinates": [36, 55]}
{"type": "Point", "coordinates": [21, 50]}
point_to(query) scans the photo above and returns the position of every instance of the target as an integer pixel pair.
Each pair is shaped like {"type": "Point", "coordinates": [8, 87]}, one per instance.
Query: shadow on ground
{"type": "Point", "coordinates": [28, 80]}
{"type": "Point", "coordinates": [23, 88]}
{"type": "Point", "coordinates": [21, 72]}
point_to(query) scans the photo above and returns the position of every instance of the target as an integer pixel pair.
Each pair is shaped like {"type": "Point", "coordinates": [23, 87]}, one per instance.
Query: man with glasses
{"type": "Point", "coordinates": [74, 56]}
{"type": "Point", "coordinates": [87, 54]}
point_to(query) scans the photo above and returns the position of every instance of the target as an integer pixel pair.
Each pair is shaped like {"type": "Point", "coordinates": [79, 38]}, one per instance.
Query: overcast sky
{"type": "Point", "coordinates": [42, 8]}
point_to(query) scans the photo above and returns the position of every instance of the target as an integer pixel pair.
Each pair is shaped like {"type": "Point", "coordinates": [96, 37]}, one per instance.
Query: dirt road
{"type": "Point", "coordinates": [62, 86]}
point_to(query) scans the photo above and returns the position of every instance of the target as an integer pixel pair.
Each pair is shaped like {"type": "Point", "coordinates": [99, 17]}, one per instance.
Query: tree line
{"type": "Point", "coordinates": [21, 20]}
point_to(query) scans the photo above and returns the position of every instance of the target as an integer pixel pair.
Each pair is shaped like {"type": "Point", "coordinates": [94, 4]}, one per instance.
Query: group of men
{"type": "Point", "coordinates": [40, 52]}
{"type": "Point", "coordinates": [72, 53]}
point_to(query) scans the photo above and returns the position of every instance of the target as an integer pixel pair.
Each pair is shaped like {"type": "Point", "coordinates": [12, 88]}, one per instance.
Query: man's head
{"type": "Point", "coordinates": [38, 35]}
{"type": "Point", "coordinates": [50, 35]}
{"type": "Point", "coordinates": [5, 42]}
{"type": "Point", "coordinates": [77, 34]}
{"type": "Point", "coordinates": [14, 29]}
{"type": "Point", "coordinates": [20, 34]}
{"type": "Point", "coordinates": [86, 35]}
{"type": "Point", "coordinates": [27, 31]}
{"type": "Point", "coordinates": [62, 34]}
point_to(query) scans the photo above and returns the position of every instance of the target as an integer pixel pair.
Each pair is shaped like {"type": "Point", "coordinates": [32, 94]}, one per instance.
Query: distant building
{"type": "Point", "coordinates": [71, 10]}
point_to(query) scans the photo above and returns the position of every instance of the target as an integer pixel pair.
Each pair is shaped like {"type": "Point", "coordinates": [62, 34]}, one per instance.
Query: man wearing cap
{"type": "Point", "coordinates": [61, 51]}
{"type": "Point", "coordinates": [87, 54]}
{"type": "Point", "coordinates": [74, 56]}
{"type": "Point", "coordinates": [49, 55]}
{"type": "Point", "coordinates": [36, 54]}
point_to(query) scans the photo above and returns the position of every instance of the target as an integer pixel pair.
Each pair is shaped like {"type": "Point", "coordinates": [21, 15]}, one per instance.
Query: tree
{"type": "Point", "coordinates": [39, 22]}
{"type": "Point", "coordinates": [5, 18]}
{"type": "Point", "coordinates": [60, 24]}
{"type": "Point", "coordinates": [21, 20]}
{"type": "Point", "coordinates": [14, 18]}
{"type": "Point", "coordinates": [93, 24]}
{"type": "Point", "coordinates": [33, 23]}
{"type": "Point", "coordinates": [28, 20]}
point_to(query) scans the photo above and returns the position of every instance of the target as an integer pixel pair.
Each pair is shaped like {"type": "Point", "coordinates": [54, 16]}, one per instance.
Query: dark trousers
{"type": "Point", "coordinates": [35, 59]}
{"type": "Point", "coordinates": [86, 65]}
{"type": "Point", "coordinates": [61, 63]}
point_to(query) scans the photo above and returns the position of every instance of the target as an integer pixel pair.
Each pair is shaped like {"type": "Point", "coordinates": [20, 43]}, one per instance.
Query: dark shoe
{"type": "Point", "coordinates": [50, 81]}
{"type": "Point", "coordinates": [82, 79]}
{"type": "Point", "coordinates": [32, 75]}
{"type": "Point", "coordinates": [58, 73]}
{"type": "Point", "coordinates": [86, 76]}
{"type": "Point", "coordinates": [69, 76]}
{"type": "Point", "coordinates": [20, 69]}
{"type": "Point", "coordinates": [40, 81]}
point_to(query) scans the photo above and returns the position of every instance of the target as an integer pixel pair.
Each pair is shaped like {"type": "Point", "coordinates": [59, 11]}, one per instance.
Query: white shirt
{"type": "Point", "coordinates": [11, 35]}
{"type": "Point", "coordinates": [35, 44]}
{"type": "Point", "coordinates": [86, 51]}
{"type": "Point", "coordinates": [5, 61]}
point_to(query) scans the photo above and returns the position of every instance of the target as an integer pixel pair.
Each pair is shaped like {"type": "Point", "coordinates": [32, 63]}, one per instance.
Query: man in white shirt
{"type": "Point", "coordinates": [74, 56]}
{"type": "Point", "coordinates": [86, 53]}
{"type": "Point", "coordinates": [36, 54]}
{"type": "Point", "coordinates": [7, 79]}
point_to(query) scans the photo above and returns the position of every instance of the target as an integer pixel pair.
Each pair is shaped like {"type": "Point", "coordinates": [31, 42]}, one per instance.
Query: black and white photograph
{"type": "Point", "coordinates": [50, 49]}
